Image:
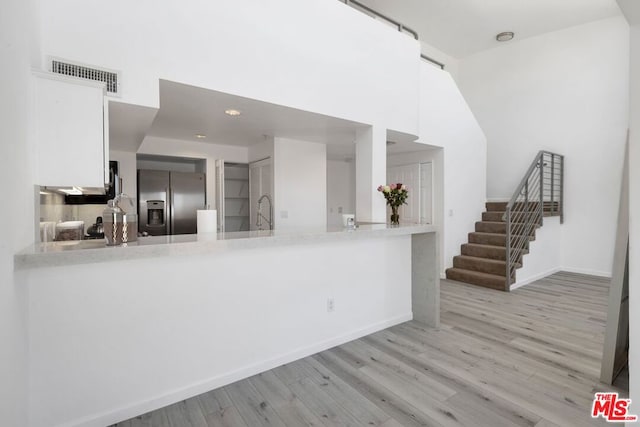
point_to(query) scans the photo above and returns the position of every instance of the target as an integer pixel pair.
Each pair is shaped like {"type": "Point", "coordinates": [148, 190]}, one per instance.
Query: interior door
{"type": "Point", "coordinates": [426, 193]}
{"type": "Point", "coordinates": [408, 175]}
{"type": "Point", "coordinates": [220, 193]}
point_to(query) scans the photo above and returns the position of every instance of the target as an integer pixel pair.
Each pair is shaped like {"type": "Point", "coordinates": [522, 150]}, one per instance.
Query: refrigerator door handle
{"type": "Point", "coordinates": [170, 224]}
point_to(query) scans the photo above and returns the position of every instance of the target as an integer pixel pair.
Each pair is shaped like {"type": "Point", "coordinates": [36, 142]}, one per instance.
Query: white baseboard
{"type": "Point", "coordinates": [538, 276]}
{"type": "Point", "coordinates": [535, 277]}
{"type": "Point", "coordinates": [142, 407]}
{"type": "Point", "coordinates": [587, 271]}
{"type": "Point", "coordinates": [499, 200]}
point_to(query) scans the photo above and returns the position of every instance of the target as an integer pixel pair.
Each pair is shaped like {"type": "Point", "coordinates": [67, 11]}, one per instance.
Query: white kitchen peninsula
{"type": "Point", "coordinates": [120, 331]}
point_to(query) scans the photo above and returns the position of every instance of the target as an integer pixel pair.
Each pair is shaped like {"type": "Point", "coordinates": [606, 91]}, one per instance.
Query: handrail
{"type": "Point", "coordinates": [539, 194]}
{"type": "Point", "coordinates": [433, 61]}
{"type": "Point", "coordinates": [401, 27]}
{"type": "Point", "coordinates": [527, 175]}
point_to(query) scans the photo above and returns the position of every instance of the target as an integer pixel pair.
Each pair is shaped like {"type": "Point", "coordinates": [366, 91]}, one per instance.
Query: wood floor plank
{"type": "Point", "coordinates": [406, 414]}
{"type": "Point", "coordinates": [214, 401]}
{"type": "Point", "coordinates": [504, 408]}
{"type": "Point", "coordinates": [251, 405]}
{"type": "Point", "coordinates": [156, 418]}
{"type": "Point", "coordinates": [285, 403]}
{"type": "Point", "coordinates": [359, 406]}
{"type": "Point", "coordinates": [546, 423]}
{"type": "Point", "coordinates": [290, 372]}
{"type": "Point", "coordinates": [323, 405]}
{"type": "Point", "coordinates": [383, 365]}
{"type": "Point", "coordinates": [186, 414]}
{"type": "Point", "coordinates": [225, 417]}
{"type": "Point", "coordinates": [391, 423]}
{"type": "Point", "coordinates": [486, 415]}
{"type": "Point", "coordinates": [527, 358]}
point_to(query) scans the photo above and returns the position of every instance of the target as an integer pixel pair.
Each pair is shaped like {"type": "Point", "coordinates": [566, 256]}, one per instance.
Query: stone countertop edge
{"type": "Point", "coordinates": [36, 256]}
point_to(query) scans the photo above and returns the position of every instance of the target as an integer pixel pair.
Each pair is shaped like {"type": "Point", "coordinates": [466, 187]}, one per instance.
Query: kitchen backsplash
{"type": "Point", "coordinates": [52, 208]}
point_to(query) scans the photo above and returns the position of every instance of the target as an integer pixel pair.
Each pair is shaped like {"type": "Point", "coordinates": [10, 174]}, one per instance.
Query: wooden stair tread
{"type": "Point", "coordinates": [482, 260]}
{"type": "Point", "coordinates": [482, 264]}
{"type": "Point", "coordinates": [498, 234]}
{"type": "Point", "coordinates": [513, 236]}
{"type": "Point", "coordinates": [480, 245]}
{"type": "Point", "coordinates": [486, 280]}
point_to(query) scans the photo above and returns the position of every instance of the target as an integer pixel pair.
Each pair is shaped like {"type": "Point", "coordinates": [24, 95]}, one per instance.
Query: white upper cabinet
{"type": "Point", "coordinates": [71, 139]}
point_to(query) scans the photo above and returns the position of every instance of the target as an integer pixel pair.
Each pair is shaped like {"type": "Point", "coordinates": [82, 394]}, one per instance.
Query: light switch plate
{"type": "Point", "coordinates": [284, 214]}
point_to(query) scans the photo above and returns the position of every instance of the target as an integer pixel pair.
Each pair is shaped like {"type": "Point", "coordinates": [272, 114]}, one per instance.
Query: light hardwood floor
{"type": "Point", "coordinates": [526, 358]}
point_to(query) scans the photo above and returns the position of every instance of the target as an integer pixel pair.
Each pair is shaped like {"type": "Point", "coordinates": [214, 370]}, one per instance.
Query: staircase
{"type": "Point", "coordinates": [483, 259]}
{"type": "Point", "coordinates": [497, 246]}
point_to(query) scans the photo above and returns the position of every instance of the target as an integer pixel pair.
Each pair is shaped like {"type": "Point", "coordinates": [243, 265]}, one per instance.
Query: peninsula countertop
{"type": "Point", "coordinates": [54, 254]}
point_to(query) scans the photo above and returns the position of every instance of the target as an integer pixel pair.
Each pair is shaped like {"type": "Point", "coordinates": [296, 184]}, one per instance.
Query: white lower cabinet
{"type": "Point", "coordinates": [71, 138]}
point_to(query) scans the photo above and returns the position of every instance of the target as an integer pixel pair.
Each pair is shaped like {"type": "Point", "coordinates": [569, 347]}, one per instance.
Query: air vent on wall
{"type": "Point", "coordinates": [111, 78]}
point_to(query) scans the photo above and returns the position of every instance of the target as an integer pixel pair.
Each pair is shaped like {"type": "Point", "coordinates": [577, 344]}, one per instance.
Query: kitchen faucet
{"type": "Point", "coordinates": [260, 217]}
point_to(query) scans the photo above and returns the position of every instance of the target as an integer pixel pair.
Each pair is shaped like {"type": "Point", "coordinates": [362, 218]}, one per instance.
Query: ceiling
{"type": "Point", "coordinates": [128, 125]}
{"type": "Point", "coordinates": [463, 27]}
{"type": "Point", "coordinates": [631, 10]}
{"type": "Point", "coordinates": [186, 111]}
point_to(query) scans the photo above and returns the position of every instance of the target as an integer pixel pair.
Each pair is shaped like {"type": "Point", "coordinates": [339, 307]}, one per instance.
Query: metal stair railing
{"type": "Point", "coordinates": [401, 27]}
{"type": "Point", "coordinates": [540, 194]}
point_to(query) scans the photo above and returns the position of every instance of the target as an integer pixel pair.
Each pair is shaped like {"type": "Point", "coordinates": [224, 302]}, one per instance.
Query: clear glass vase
{"type": "Point", "coordinates": [395, 216]}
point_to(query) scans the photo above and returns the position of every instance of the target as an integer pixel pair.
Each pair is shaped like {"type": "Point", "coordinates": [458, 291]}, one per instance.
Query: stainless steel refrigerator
{"type": "Point", "coordinates": [168, 201]}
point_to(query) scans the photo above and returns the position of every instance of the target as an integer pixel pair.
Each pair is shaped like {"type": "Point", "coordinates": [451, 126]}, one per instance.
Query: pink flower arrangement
{"type": "Point", "coordinates": [395, 194]}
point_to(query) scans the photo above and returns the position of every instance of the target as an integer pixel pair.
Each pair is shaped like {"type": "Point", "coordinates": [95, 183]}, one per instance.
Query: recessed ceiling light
{"type": "Point", "coordinates": [232, 112]}
{"type": "Point", "coordinates": [200, 136]}
{"type": "Point", "coordinates": [505, 36]}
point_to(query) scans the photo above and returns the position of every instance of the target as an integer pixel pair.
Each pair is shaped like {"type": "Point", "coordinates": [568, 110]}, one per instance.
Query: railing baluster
{"type": "Point", "coordinates": [507, 257]}
{"type": "Point", "coordinates": [527, 206]}
{"type": "Point", "coordinates": [541, 210]}
{"type": "Point", "coordinates": [561, 206]}
{"type": "Point", "coordinates": [552, 189]}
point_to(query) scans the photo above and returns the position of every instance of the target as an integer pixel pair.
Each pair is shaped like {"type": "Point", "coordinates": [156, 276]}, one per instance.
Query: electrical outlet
{"type": "Point", "coordinates": [284, 214]}
{"type": "Point", "coordinates": [331, 307]}
{"type": "Point", "coordinates": [339, 209]}
{"type": "Point", "coordinates": [450, 212]}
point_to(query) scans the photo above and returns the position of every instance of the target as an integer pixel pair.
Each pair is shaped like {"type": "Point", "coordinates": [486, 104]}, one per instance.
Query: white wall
{"type": "Point", "coordinates": [634, 211]}
{"type": "Point", "coordinates": [446, 121]}
{"type": "Point", "coordinates": [450, 63]}
{"type": "Point", "coordinates": [199, 322]}
{"type": "Point", "coordinates": [261, 150]}
{"type": "Point", "coordinates": [127, 166]}
{"type": "Point", "coordinates": [634, 215]}
{"type": "Point", "coordinates": [631, 9]}
{"type": "Point", "coordinates": [18, 44]}
{"type": "Point", "coordinates": [371, 171]}
{"type": "Point", "coordinates": [566, 92]}
{"type": "Point", "coordinates": [545, 255]}
{"type": "Point", "coordinates": [341, 188]}
{"type": "Point", "coordinates": [436, 157]}
{"type": "Point", "coordinates": [278, 51]}
{"type": "Point", "coordinates": [195, 150]}
{"type": "Point", "coordinates": [299, 184]}
{"type": "Point", "coordinates": [634, 219]}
